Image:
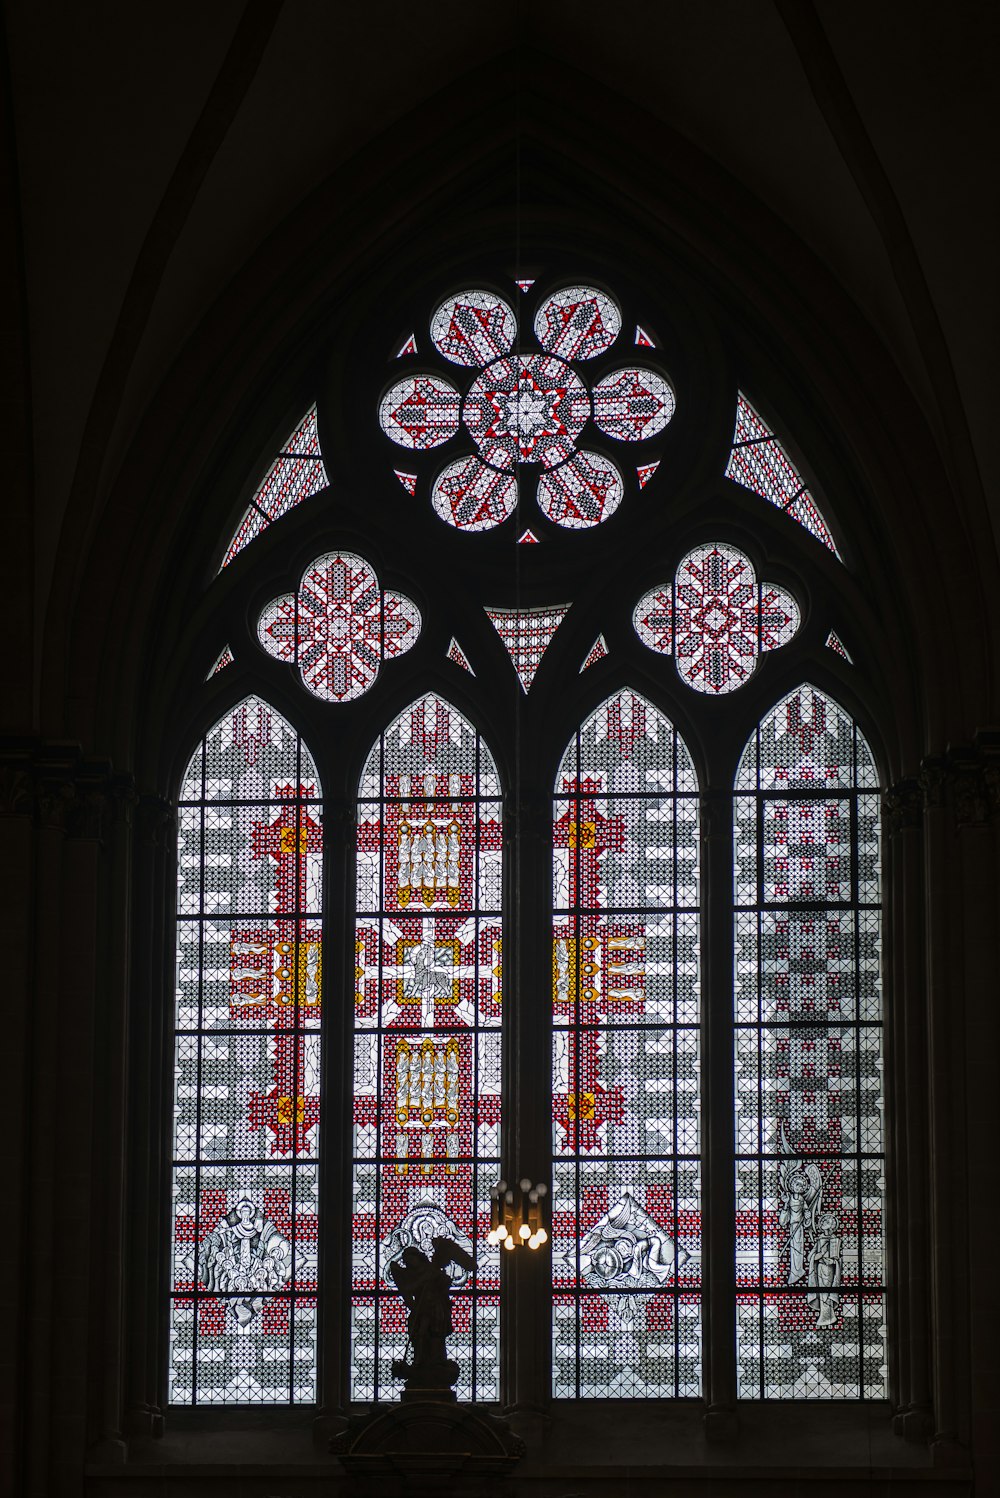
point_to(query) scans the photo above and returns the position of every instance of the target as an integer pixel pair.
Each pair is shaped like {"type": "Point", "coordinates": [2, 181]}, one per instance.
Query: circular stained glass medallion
{"type": "Point", "coordinates": [582, 492]}
{"type": "Point", "coordinates": [633, 404]}
{"type": "Point", "coordinates": [473, 328]}
{"type": "Point", "coordinates": [528, 409]}
{"type": "Point", "coordinates": [420, 411]}
{"type": "Point", "coordinates": [578, 322]}
{"type": "Point", "coordinates": [472, 497]}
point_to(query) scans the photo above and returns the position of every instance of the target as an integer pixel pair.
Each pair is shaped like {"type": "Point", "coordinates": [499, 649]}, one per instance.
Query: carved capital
{"type": "Point", "coordinates": [154, 821]}
{"type": "Point", "coordinates": [716, 814]}
{"type": "Point", "coordinates": [934, 780]}
{"type": "Point", "coordinates": [968, 787]}
{"type": "Point", "coordinates": [17, 788]}
{"type": "Point", "coordinates": [55, 796]}
{"type": "Point", "coordinates": [903, 805]}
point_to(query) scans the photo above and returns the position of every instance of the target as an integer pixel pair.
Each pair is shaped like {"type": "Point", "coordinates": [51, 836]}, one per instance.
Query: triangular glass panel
{"type": "Point", "coordinates": [457, 654]}
{"type": "Point", "coordinates": [645, 472]}
{"type": "Point", "coordinates": [643, 339]}
{"type": "Point", "coordinates": [524, 285]}
{"type": "Point", "coordinates": [527, 634]}
{"type": "Point", "coordinates": [296, 473]}
{"type": "Point", "coordinates": [528, 539]}
{"type": "Point", "coordinates": [408, 481]}
{"type": "Point", "coordinates": [759, 462]}
{"type": "Point", "coordinates": [834, 642]}
{"type": "Point", "coordinates": [597, 652]}
{"type": "Point", "coordinates": [224, 660]}
{"type": "Point", "coordinates": [409, 347]}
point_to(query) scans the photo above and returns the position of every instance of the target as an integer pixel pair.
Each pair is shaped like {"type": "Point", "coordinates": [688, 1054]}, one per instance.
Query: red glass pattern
{"type": "Point", "coordinates": [759, 462]}
{"type": "Point", "coordinates": [578, 322]}
{"type": "Point", "coordinates": [427, 1101]}
{"type": "Point", "coordinates": [626, 1210]}
{"type": "Point", "coordinates": [338, 627]}
{"type": "Point", "coordinates": [716, 619]}
{"type": "Point", "coordinates": [456, 654]}
{"type": "Point", "coordinates": [527, 634]}
{"type": "Point", "coordinates": [633, 404]}
{"type": "Point", "coordinates": [596, 653]}
{"type": "Point", "coordinates": [420, 411]}
{"type": "Point", "coordinates": [582, 492]}
{"type": "Point", "coordinates": [528, 408]}
{"type": "Point", "coordinates": [296, 473]}
{"type": "Point", "coordinates": [472, 497]}
{"type": "Point", "coordinates": [473, 328]}
{"type": "Point", "coordinates": [835, 643]}
{"type": "Point", "coordinates": [224, 659]}
{"type": "Point", "coordinates": [247, 1088]}
{"type": "Point", "coordinates": [645, 472]}
{"type": "Point", "coordinates": [808, 1059]}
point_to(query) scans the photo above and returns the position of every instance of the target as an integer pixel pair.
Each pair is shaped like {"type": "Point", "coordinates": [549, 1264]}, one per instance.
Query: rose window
{"type": "Point", "coordinates": [526, 408]}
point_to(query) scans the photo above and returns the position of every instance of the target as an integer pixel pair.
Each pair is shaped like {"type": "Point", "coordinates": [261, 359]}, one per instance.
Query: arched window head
{"type": "Point", "coordinates": [808, 1043]}
{"type": "Point", "coordinates": [427, 1036]}
{"type": "Point", "coordinates": [247, 1066]}
{"type": "Point", "coordinates": [626, 1237]}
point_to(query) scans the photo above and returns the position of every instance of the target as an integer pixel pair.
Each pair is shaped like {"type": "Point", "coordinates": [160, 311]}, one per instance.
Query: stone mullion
{"type": "Point", "coordinates": [979, 850]}
{"type": "Point", "coordinates": [148, 1113]}
{"type": "Point", "coordinates": [109, 819]}
{"type": "Point", "coordinates": [906, 1059]}
{"type": "Point", "coordinates": [18, 870]}
{"type": "Point", "coordinates": [48, 1154]}
{"type": "Point", "coordinates": [337, 1107]}
{"type": "Point", "coordinates": [85, 1142]}
{"type": "Point", "coordinates": [526, 1275]}
{"type": "Point", "coordinates": [718, 1144]}
{"type": "Point", "coordinates": [946, 1135]}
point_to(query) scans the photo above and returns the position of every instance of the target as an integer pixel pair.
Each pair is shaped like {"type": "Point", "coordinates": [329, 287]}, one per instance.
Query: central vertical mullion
{"type": "Point", "coordinates": [718, 1161]}
{"type": "Point", "coordinates": [337, 1063]}
{"type": "Point", "coordinates": [527, 1042]}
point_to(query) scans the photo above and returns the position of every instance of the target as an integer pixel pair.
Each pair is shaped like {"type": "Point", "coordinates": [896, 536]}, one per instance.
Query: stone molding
{"type": "Point", "coordinates": [965, 780]}
{"type": "Point", "coordinates": [59, 789]}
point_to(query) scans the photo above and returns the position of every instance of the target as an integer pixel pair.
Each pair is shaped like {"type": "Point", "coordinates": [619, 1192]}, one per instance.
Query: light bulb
{"type": "Point", "coordinates": [542, 1236]}
{"type": "Point", "coordinates": [500, 1186]}
{"type": "Point", "coordinates": [524, 1183]}
{"type": "Point", "coordinates": [533, 1241]}
{"type": "Point", "coordinates": [493, 1237]}
{"type": "Point", "coordinates": [508, 1242]}
{"type": "Point", "coordinates": [524, 1231]}
{"type": "Point", "coordinates": [501, 1233]}
{"type": "Point", "coordinates": [541, 1188]}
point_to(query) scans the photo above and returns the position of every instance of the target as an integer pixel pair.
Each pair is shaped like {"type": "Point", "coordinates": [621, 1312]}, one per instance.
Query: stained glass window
{"type": "Point", "coordinates": [716, 618]}
{"type": "Point", "coordinates": [626, 1211]}
{"type": "Point", "coordinates": [526, 634]}
{"type": "Point", "coordinates": [338, 626]}
{"type": "Point", "coordinates": [247, 1080]}
{"type": "Point", "coordinates": [759, 461]}
{"type": "Point", "coordinates": [427, 1036]}
{"type": "Point", "coordinates": [296, 473]}
{"type": "Point", "coordinates": [808, 1058]}
{"type": "Point", "coordinates": [526, 407]}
